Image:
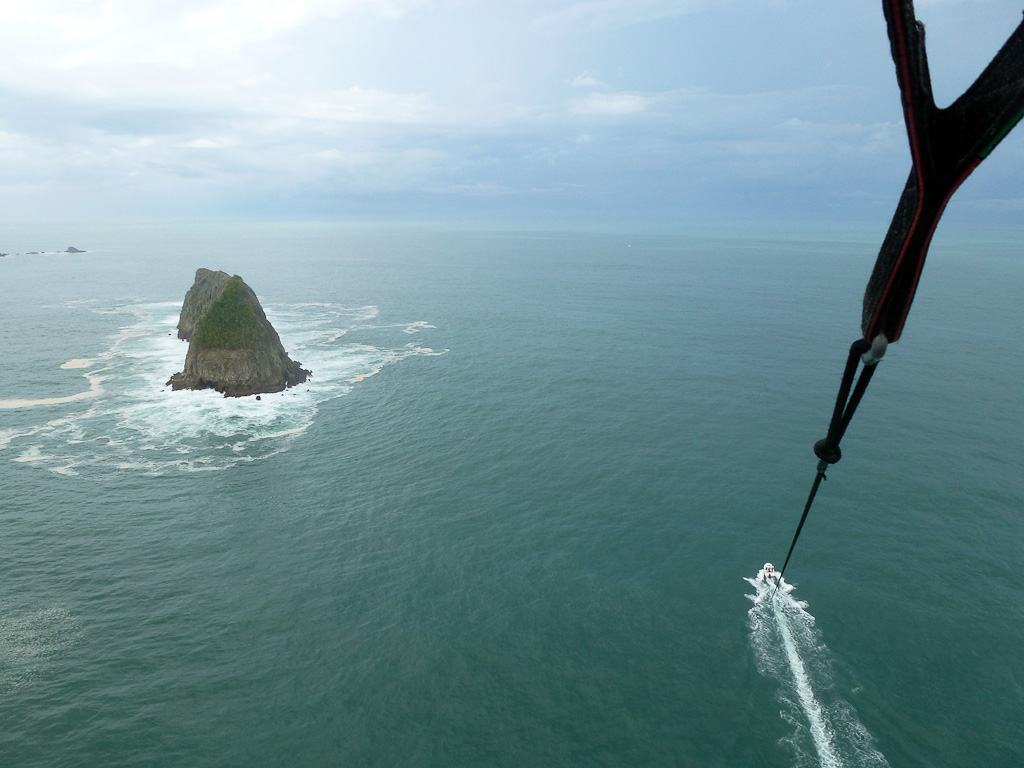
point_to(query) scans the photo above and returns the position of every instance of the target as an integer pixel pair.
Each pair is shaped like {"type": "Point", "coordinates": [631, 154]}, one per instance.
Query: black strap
{"type": "Point", "coordinates": [946, 145]}
{"type": "Point", "coordinates": [827, 449]}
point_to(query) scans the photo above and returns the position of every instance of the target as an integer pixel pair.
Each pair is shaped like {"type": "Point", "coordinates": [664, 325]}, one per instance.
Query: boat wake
{"type": "Point", "coordinates": [790, 651]}
{"type": "Point", "coordinates": [126, 418]}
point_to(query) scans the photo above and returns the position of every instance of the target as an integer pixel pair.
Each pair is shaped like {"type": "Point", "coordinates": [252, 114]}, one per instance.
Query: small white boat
{"type": "Point", "coordinates": [769, 575]}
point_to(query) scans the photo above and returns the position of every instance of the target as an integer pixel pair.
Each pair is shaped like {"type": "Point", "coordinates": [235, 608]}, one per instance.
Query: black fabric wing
{"type": "Point", "coordinates": [946, 145]}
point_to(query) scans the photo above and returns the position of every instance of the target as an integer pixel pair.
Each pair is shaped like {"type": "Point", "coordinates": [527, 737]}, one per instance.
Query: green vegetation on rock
{"type": "Point", "coordinates": [230, 322]}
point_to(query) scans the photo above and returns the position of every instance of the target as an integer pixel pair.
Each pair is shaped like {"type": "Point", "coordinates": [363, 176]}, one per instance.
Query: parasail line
{"type": "Point", "coordinates": [822, 466]}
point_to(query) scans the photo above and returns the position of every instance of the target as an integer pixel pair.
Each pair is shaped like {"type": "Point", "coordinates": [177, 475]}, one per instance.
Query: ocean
{"type": "Point", "coordinates": [516, 516]}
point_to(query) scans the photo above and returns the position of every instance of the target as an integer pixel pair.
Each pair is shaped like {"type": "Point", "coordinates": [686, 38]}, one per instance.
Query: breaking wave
{"type": "Point", "coordinates": [790, 651]}
{"type": "Point", "coordinates": [126, 418]}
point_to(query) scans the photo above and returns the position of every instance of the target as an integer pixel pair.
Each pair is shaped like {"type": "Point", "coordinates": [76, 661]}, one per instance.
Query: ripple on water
{"type": "Point", "coordinates": [30, 641]}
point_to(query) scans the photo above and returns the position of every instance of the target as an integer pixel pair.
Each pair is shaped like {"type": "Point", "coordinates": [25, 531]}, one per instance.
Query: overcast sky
{"type": "Point", "coordinates": [494, 111]}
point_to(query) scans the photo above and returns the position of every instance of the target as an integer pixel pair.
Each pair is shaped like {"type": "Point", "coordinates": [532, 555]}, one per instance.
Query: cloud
{"type": "Point", "coordinates": [364, 105]}
{"type": "Point", "coordinates": [183, 48]}
{"type": "Point", "coordinates": [354, 104]}
{"type": "Point", "coordinates": [362, 147]}
{"type": "Point", "coordinates": [583, 80]}
{"type": "Point", "coordinates": [611, 104]}
{"type": "Point", "coordinates": [166, 30]}
{"type": "Point", "coordinates": [229, 25]}
{"type": "Point", "coordinates": [617, 13]}
{"type": "Point", "coordinates": [930, 3]}
{"type": "Point", "coordinates": [204, 143]}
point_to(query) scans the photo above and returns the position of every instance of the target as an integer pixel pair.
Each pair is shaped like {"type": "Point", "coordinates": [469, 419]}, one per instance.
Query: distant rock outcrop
{"type": "Point", "coordinates": [71, 249]}
{"type": "Point", "coordinates": [233, 348]}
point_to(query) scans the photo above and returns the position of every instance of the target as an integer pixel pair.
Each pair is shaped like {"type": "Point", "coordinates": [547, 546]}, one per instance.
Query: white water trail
{"type": "Point", "coordinates": [820, 730]}
{"type": "Point", "coordinates": [827, 732]}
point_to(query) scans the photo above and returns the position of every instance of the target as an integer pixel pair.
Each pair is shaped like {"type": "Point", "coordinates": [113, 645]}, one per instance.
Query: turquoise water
{"type": "Point", "coordinates": [509, 521]}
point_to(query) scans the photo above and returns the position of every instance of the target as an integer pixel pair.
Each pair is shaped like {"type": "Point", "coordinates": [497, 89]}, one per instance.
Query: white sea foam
{"type": "Point", "coordinates": [789, 650]}
{"type": "Point", "coordinates": [95, 389]}
{"type": "Point", "coordinates": [133, 421]}
{"type": "Point", "coordinates": [31, 454]}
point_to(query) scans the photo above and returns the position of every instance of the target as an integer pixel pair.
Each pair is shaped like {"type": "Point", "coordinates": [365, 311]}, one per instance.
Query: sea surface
{"type": "Point", "coordinates": [517, 515]}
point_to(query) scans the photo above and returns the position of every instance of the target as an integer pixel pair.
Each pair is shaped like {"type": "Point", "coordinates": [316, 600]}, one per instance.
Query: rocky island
{"type": "Point", "coordinates": [70, 249]}
{"type": "Point", "coordinates": [232, 348]}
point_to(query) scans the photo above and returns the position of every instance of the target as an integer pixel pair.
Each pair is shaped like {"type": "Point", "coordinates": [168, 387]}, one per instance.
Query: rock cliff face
{"type": "Point", "coordinates": [207, 288]}
{"type": "Point", "coordinates": [232, 348]}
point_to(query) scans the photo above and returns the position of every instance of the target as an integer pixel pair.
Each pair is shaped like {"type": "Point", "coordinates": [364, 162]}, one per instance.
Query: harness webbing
{"type": "Point", "coordinates": [827, 449]}
{"type": "Point", "coordinates": [946, 145]}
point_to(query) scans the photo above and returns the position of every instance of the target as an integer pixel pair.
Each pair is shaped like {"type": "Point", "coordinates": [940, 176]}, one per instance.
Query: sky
{"type": "Point", "coordinates": [504, 112]}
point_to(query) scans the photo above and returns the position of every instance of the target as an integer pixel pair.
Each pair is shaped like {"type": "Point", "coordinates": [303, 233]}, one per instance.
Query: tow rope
{"type": "Point", "coordinates": [946, 145]}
